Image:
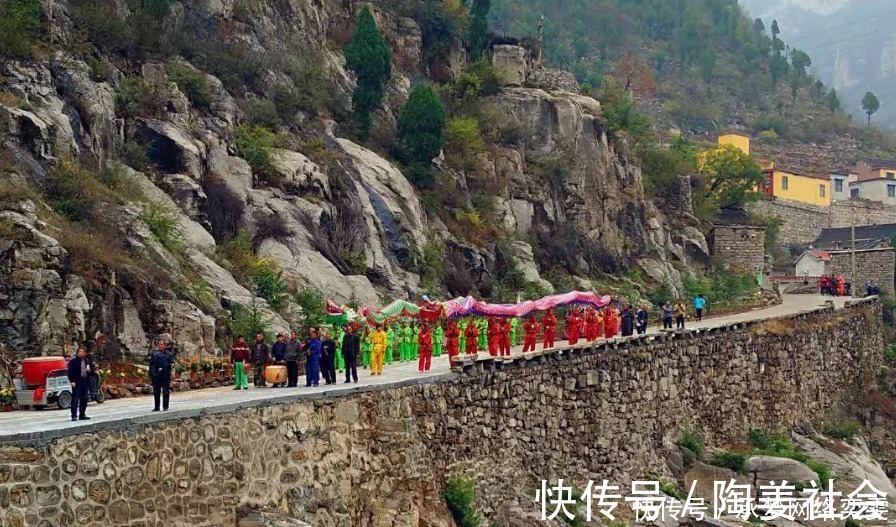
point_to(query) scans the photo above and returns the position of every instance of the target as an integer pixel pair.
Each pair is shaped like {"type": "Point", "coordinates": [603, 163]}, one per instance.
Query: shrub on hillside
{"type": "Point", "coordinates": [137, 98]}
{"type": "Point", "coordinates": [459, 494]}
{"type": "Point", "coordinates": [254, 144]}
{"type": "Point", "coordinates": [19, 27]}
{"type": "Point", "coordinates": [192, 83]}
{"type": "Point", "coordinates": [74, 191]}
{"type": "Point", "coordinates": [164, 224]}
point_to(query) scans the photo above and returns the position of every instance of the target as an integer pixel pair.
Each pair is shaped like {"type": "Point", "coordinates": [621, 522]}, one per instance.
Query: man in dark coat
{"type": "Point", "coordinates": [641, 316]}
{"type": "Point", "coordinates": [278, 354]}
{"type": "Point", "coordinates": [628, 321]}
{"type": "Point", "coordinates": [79, 371]}
{"type": "Point", "coordinates": [291, 356]}
{"type": "Point", "coordinates": [328, 358]}
{"type": "Point", "coordinates": [260, 359]}
{"type": "Point", "coordinates": [351, 348]}
{"type": "Point", "coordinates": [160, 366]}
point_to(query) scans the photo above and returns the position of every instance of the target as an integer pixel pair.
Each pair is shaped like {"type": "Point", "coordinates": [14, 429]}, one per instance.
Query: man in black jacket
{"type": "Point", "coordinates": [79, 371]}
{"type": "Point", "coordinates": [351, 348]}
{"type": "Point", "coordinates": [278, 354]}
{"type": "Point", "coordinates": [328, 358]}
{"type": "Point", "coordinates": [160, 366]}
{"type": "Point", "coordinates": [260, 359]}
{"type": "Point", "coordinates": [291, 356]}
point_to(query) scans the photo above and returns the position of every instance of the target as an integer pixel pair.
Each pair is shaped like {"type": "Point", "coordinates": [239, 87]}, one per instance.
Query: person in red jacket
{"type": "Point", "coordinates": [471, 334]}
{"type": "Point", "coordinates": [494, 335]}
{"type": "Point", "coordinates": [549, 323]}
{"type": "Point", "coordinates": [590, 323]}
{"type": "Point", "coordinates": [598, 324]}
{"type": "Point", "coordinates": [452, 337]}
{"type": "Point", "coordinates": [504, 337]}
{"type": "Point", "coordinates": [574, 325]}
{"type": "Point", "coordinates": [611, 323]}
{"type": "Point", "coordinates": [531, 328]}
{"type": "Point", "coordinates": [424, 341]}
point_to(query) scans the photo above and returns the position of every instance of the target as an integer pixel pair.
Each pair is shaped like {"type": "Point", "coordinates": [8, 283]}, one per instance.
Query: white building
{"type": "Point", "coordinates": [813, 262]}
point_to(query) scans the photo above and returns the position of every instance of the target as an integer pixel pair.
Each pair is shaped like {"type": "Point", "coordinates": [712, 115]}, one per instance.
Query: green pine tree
{"type": "Point", "coordinates": [477, 34]}
{"type": "Point", "coordinates": [420, 125]}
{"type": "Point", "coordinates": [369, 57]}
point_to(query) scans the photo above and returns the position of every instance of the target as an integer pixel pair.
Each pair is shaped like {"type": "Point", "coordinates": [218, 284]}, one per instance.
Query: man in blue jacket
{"type": "Point", "coordinates": [699, 306]}
{"type": "Point", "coordinates": [160, 366]}
{"type": "Point", "coordinates": [79, 370]}
{"type": "Point", "coordinates": [312, 350]}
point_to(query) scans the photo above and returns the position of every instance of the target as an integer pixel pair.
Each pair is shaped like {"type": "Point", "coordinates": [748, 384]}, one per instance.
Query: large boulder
{"type": "Point", "coordinates": [525, 262]}
{"type": "Point", "coordinates": [512, 62]}
{"type": "Point", "coordinates": [194, 233]}
{"type": "Point", "coordinates": [298, 173]}
{"type": "Point", "coordinates": [768, 468]}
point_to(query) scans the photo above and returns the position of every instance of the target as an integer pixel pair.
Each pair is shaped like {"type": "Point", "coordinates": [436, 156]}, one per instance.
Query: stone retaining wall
{"type": "Point", "coordinates": [381, 456]}
{"type": "Point", "coordinates": [802, 223]}
{"type": "Point", "coordinates": [873, 264]}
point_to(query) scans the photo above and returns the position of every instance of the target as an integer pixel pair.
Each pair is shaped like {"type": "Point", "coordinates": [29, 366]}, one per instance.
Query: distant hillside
{"type": "Point", "coordinates": [852, 44]}
{"type": "Point", "coordinates": [701, 67]}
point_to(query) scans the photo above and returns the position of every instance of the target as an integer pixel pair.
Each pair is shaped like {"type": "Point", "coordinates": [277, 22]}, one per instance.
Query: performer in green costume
{"type": "Point", "coordinates": [390, 336]}
{"type": "Point", "coordinates": [415, 346]}
{"type": "Point", "coordinates": [482, 326]}
{"type": "Point", "coordinates": [340, 362]}
{"type": "Point", "coordinates": [462, 339]}
{"type": "Point", "coordinates": [366, 349]}
{"type": "Point", "coordinates": [405, 351]}
{"type": "Point", "coordinates": [438, 336]}
{"type": "Point", "coordinates": [514, 330]}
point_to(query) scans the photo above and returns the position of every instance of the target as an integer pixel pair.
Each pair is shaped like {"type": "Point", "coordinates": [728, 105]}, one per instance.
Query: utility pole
{"type": "Point", "coordinates": [853, 276]}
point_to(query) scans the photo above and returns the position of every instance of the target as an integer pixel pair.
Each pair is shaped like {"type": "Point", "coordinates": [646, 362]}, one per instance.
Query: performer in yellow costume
{"type": "Point", "coordinates": [380, 341]}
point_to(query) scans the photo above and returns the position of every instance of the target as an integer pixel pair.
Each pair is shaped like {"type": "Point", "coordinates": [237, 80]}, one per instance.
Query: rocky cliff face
{"type": "Point", "coordinates": [336, 215]}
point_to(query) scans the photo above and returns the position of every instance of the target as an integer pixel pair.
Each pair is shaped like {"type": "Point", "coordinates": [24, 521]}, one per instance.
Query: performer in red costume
{"type": "Point", "coordinates": [424, 341]}
{"type": "Point", "coordinates": [494, 337]}
{"type": "Point", "coordinates": [549, 322]}
{"type": "Point", "coordinates": [598, 324]}
{"type": "Point", "coordinates": [611, 322]}
{"type": "Point", "coordinates": [452, 336]}
{"type": "Point", "coordinates": [504, 339]}
{"type": "Point", "coordinates": [472, 336]}
{"type": "Point", "coordinates": [531, 327]}
{"type": "Point", "coordinates": [574, 326]}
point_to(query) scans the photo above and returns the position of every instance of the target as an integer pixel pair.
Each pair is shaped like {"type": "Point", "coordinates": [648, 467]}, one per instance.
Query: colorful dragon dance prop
{"type": "Point", "coordinates": [461, 307]}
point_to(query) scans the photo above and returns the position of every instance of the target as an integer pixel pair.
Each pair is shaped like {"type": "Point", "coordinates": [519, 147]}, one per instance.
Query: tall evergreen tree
{"type": "Point", "coordinates": [477, 33]}
{"type": "Point", "coordinates": [420, 125]}
{"type": "Point", "coordinates": [368, 55]}
{"type": "Point", "coordinates": [870, 104]}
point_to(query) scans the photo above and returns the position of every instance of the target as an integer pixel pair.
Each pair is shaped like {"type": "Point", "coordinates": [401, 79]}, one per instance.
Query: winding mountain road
{"type": "Point", "coordinates": [46, 424]}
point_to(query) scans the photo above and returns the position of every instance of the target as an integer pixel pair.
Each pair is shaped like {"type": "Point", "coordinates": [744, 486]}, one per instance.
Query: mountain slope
{"type": "Point", "coordinates": [699, 66]}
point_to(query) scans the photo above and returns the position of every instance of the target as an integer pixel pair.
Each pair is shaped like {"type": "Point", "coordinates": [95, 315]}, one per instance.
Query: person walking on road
{"type": "Point", "coordinates": [668, 310]}
{"type": "Point", "coordinates": [312, 350]}
{"type": "Point", "coordinates": [79, 370]}
{"type": "Point", "coordinates": [679, 314]}
{"type": "Point", "coordinates": [160, 366]}
{"type": "Point", "coordinates": [328, 358]}
{"type": "Point", "coordinates": [699, 306]}
{"type": "Point", "coordinates": [641, 317]}
{"type": "Point", "coordinates": [260, 359]}
{"type": "Point", "coordinates": [291, 357]}
{"type": "Point", "coordinates": [351, 348]}
{"type": "Point", "coordinates": [239, 356]}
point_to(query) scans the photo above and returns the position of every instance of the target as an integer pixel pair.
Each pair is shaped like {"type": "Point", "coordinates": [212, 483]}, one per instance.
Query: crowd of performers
{"type": "Point", "coordinates": [420, 341]}
{"type": "Point", "coordinates": [834, 285]}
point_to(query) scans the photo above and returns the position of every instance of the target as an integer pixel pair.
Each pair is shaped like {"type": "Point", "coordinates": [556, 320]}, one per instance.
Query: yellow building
{"type": "Point", "coordinates": [804, 188]}
{"type": "Point", "coordinates": [741, 142]}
